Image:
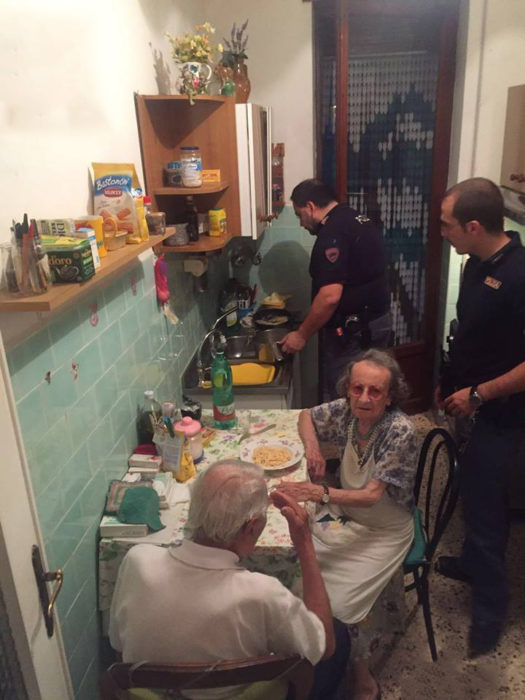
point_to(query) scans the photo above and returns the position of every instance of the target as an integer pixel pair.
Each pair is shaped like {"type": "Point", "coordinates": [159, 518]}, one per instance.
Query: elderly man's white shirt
{"type": "Point", "coordinates": [195, 603]}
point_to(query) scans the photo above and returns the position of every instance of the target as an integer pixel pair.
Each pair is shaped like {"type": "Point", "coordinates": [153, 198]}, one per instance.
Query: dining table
{"type": "Point", "coordinates": [274, 554]}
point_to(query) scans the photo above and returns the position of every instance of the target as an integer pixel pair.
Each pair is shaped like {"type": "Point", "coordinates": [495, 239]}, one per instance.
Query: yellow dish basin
{"type": "Point", "coordinates": [252, 373]}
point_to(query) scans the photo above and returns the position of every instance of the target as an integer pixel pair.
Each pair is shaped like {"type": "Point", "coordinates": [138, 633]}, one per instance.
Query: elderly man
{"type": "Point", "coordinates": [194, 602]}
{"type": "Point", "coordinates": [486, 386]}
{"type": "Point", "coordinates": [350, 298]}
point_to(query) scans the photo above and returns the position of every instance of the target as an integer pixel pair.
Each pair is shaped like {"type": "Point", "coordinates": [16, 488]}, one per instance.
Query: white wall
{"type": "Point", "coordinates": [489, 61]}
{"type": "Point", "coordinates": [280, 69]}
{"type": "Point", "coordinates": [66, 94]}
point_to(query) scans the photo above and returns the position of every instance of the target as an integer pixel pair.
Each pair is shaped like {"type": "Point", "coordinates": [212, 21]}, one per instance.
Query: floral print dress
{"type": "Point", "coordinates": [360, 549]}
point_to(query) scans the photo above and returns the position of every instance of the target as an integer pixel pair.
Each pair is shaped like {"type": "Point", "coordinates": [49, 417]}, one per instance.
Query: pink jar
{"type": "Point", "coordinates": [192, 430]}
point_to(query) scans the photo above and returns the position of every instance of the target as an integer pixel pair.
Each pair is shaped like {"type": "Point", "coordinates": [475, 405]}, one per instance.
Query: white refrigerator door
{"type": "Point", "coordinates": [254, 161]}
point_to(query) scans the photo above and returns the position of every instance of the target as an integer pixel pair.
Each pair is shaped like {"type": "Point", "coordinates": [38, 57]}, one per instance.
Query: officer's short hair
{"type": "Point", "coordinates": [478, 199]}
{"type": "Point", "coordinates": [313, 191]}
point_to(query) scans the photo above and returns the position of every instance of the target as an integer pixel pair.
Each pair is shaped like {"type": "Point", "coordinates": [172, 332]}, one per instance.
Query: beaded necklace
{"type": "Point", "coordinates": [369, 436]}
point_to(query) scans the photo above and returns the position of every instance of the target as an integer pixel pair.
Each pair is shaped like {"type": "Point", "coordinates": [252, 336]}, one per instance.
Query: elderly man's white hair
{"type": "Point", "coordinates": [224, 498]}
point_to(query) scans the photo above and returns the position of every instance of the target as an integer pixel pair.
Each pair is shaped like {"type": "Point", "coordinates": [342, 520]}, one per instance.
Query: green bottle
{"type": "Point", "coordinates": [222, 386]}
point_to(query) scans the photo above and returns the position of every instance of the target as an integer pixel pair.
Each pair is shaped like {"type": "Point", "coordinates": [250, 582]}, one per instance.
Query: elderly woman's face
{"type": "Point", "coordinates": [369, 391]}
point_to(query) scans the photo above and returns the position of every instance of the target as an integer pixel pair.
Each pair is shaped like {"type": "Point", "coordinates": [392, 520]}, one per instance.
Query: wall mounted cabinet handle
{"type": "Point", "coordinates": [42, 579]}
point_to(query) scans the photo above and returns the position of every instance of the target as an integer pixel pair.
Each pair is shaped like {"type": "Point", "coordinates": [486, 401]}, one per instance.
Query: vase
{"type": "Point", "coordinates": [194, 78]}
{"type": "Point", "coordinates": [242, 82]}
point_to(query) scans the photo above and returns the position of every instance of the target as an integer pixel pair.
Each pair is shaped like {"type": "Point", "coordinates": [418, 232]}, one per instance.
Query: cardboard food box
{"type": "Point", "coordinates": [70, 259]}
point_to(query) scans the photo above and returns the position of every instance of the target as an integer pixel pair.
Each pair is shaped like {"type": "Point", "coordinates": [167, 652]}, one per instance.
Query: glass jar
{"type": "Point", "coordinates": [191, 166]}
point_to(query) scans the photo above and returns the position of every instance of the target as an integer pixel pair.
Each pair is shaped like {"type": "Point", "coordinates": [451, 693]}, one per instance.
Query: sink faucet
{"type": "Point", "coordinates": [212, 332]}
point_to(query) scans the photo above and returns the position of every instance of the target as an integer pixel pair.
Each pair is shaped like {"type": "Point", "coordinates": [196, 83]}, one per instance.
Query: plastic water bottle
{"type": "Point", "coordinates": [144, 424]}
{"type": "Point", "coordinates": [222, 386]}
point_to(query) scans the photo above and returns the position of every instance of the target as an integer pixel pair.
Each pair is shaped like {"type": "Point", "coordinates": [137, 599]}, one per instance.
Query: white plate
{"type": "Point", "coordinates": [293, 446]}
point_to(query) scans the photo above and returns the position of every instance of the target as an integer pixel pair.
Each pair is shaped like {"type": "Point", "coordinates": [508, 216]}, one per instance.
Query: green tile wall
{"type": "Point", "coordinates": [78, 433]}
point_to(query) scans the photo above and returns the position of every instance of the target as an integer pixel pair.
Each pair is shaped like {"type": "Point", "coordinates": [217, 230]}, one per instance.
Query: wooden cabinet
{"type": "Point", "coordinates": [168, 122]}
{"type": "Point", "coordinates": [513, 161]}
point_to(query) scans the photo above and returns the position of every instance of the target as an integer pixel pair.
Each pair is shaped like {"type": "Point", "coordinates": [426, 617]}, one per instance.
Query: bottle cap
{"type": "Point", "coordinates": [188, 426]}
{"type": "Point", "coordinates": [147, 199]}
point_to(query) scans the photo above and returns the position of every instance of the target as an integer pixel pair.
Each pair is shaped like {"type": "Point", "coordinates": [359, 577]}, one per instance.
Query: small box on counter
{"type": "Point", "coordinates": [56, 227]}
{"type": "Point", "coordinates": [70, 259]}
{"type": "Point", "coordinates": [210, 177]}
{"type": "Point", "coordinates": [147, 466]}
{"type": "Point", "coordinates": [110, 526]}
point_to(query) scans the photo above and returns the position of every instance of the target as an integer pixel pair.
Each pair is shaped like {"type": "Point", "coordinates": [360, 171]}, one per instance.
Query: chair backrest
{"type": "Point", "coordinates": [295, 670]}
{"type": "Point", "coordinates": [437, 473]}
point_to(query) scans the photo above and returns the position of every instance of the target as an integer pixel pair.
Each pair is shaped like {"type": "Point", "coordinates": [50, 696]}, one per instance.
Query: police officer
{"type": "Point", "coordinates": [485, 382]}
{"type": "Point", "coordinates": [350, 299]}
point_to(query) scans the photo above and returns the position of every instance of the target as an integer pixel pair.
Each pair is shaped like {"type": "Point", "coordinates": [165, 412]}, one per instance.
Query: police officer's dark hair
{"type": "Point", "coordinates": [313, 191]}
{"type": "Point", "coordinates": [478, 199]}
{"type": "Point", "coordinates": [398, 390]}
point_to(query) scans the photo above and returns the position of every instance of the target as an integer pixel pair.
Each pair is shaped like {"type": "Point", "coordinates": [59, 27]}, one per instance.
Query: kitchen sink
{"type": "Point", "coordinates": [258, 358]}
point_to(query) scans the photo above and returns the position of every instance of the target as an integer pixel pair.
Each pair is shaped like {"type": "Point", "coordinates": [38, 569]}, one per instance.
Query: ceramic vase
{"type": "Point", "coordinates": [194, 78]}
{"type": "Point", "coordinates": [242, 82]}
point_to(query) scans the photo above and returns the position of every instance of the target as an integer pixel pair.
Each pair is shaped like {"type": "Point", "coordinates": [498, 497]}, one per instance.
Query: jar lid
{"type": "Point", "coordinates": [173, 165]}
{"type": "Point", "coordinates": [189, 148]}
{"type": "Point", "coordinates": [188, 426]}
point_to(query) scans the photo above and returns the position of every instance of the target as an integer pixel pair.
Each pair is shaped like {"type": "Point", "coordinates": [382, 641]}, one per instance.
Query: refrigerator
{"type": "Point", "coordinates": [254, 157]}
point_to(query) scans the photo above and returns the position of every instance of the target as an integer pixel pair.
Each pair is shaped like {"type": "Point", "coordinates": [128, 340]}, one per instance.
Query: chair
{"type": "Point", "coordinates": [430, 525]}
{"type": "Point", "coordinates": [297, 671]}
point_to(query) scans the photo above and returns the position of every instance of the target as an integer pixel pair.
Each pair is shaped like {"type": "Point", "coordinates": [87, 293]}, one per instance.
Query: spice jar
{"type": "Point", "coordinates": [192, 430]}
{"type": "Point", "coordinates": [191, 166]}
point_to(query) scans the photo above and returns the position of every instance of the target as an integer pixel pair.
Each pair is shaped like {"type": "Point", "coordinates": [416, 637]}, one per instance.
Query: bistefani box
{"type": "Point", "coordinates": [70, 259]}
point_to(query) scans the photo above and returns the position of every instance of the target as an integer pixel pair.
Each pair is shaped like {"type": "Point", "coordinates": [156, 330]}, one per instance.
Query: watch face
{"type": "Point", "coordinates": [475, 399]}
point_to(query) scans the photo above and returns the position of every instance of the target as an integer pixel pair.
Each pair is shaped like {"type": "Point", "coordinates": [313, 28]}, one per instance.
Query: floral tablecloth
{"type": "Point", "coordinates": [274, 555]}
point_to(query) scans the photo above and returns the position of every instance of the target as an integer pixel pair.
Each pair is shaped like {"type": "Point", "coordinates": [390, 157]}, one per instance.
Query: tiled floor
{"type": "Point", "coordinates": [409, 673]}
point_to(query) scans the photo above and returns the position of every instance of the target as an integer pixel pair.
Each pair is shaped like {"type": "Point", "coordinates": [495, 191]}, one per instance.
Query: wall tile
{"type": "Point", "coordinates": [79, 434]}
{"type": "Point", "coordinates": [28, 364]}
{"type": "Point", "coordinates": [67, 336]}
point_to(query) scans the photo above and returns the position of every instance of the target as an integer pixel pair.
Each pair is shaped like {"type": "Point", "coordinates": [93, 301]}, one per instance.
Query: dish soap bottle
{"type": "Point", "coordinates": [222, 387]}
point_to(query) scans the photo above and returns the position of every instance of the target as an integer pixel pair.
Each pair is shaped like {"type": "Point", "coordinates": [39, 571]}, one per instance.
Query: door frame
{"type": "Point", "coordinates": [42, 660]}
{"type": "Point", "coordinates": [417, 359]}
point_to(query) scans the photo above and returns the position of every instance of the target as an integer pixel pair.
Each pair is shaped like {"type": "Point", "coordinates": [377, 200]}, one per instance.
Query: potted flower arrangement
{"type": "Point", "coordinates": [232, 66]}
{"type": "Point", "coordinates": [194, 52]}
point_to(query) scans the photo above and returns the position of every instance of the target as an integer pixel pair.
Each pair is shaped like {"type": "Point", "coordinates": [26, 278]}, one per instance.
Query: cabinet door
{"type": "Point", "coordinates": [513, 161]}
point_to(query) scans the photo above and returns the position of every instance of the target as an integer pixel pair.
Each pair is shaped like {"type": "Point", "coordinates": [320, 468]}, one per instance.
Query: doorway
{"type": "Point", "coordinates": [384, 73]}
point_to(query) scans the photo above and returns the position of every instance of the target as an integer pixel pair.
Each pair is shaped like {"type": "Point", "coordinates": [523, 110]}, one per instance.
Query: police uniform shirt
{"type": "Point", "coordinates": [491, 313]}
{"type": "Point", "coordinates": [349, 250]}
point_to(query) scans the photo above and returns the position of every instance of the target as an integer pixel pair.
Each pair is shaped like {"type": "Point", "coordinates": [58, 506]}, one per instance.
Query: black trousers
{"type": "Point", "coordinates": [329, 673]}
{"type": "Point", "coordinates": [485, 474]}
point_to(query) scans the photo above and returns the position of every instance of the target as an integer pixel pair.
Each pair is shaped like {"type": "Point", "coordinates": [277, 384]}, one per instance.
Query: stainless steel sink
{"type": "Point", "coordinates": [256, 347]}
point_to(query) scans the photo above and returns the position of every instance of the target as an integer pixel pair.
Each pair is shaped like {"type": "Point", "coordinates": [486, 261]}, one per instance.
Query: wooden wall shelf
{"type": "Point", "coordinates": [62, 294]}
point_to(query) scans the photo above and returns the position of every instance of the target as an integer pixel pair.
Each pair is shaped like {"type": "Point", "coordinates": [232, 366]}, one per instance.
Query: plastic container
{"type": "Point", "coordinates": [218, 224]}
{"type": "Point", "coordinates": [222, 386]}
{"type": "Point", "coordinates": [192, 431]}
{"type": "Point", "coordinates": [191, 166]}
{"type": "Point", "coordinates": [172, 174]}
{"type": "Point", "coordinates": [156, 223]}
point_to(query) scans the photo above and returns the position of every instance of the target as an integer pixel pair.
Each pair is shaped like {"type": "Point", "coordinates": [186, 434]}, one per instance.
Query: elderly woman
{"type": "Point", "coordinates": [364, 529]}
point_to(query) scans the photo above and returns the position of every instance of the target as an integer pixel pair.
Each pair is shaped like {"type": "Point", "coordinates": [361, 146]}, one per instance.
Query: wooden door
{"type": "Point", "coordinates": [385, 77]}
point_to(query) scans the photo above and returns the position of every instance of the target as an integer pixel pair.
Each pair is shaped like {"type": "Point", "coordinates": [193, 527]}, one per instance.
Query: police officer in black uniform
{"type": "Point", "coordinates": [350, 300]}
{"type": "Point", "coordinates": [484, 388]}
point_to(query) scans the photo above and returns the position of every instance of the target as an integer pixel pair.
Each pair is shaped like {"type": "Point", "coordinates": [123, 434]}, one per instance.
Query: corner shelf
{"type": "Point", "coordinates": [205, 244]}
{"type": "Point", "coordinates": [61, 294]}
{"type": "Point", "coordinates": [212, 188]}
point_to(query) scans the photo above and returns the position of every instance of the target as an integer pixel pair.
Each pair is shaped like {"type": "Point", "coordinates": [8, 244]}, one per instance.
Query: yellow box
{"type": "Point", "coordinates": [210, 177]}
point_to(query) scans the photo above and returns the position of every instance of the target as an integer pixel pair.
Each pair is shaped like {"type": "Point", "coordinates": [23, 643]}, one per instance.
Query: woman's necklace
{"type": "Point", "coordinates": [368, 437]}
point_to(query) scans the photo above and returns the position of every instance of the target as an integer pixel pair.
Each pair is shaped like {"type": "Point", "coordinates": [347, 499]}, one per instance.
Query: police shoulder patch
{"type": "Point", "coordinates": [332, 254]}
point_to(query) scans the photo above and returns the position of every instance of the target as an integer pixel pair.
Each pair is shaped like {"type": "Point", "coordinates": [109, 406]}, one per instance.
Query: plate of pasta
{"type": "Point", "coordinates": [272, 454]}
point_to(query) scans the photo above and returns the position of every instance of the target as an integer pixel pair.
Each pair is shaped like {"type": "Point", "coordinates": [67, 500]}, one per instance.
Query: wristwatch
{"type": "Point", "coordinates": [475, 399]}
{"type": "Point", "coordinates": [325, 498]}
